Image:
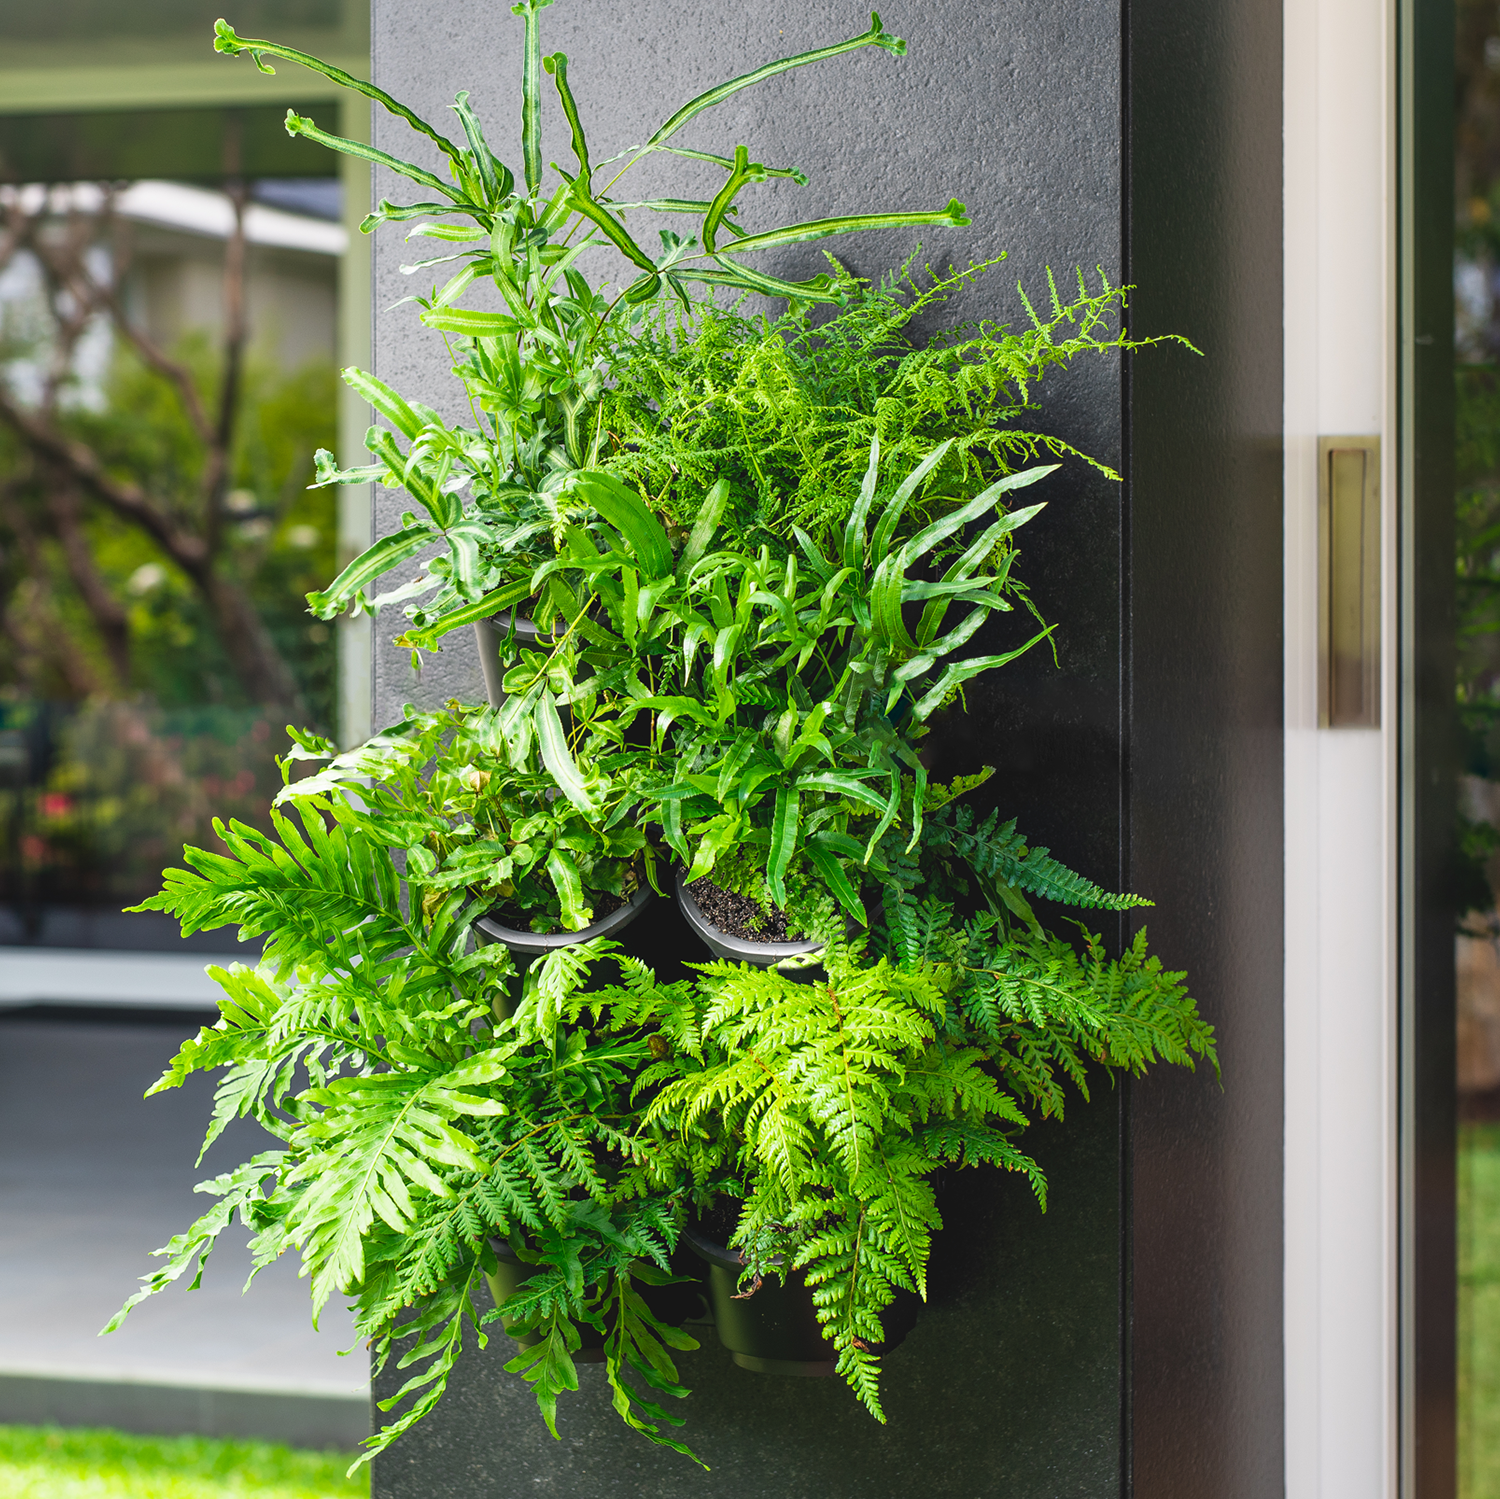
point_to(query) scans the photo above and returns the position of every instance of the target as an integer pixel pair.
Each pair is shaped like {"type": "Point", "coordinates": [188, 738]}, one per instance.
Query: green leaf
{"type": "Point", "coordinates": [826, 863]}
{"type": "Point", "coordinates": [380, 558]}
{"type": "Point", "coordinates": [953, 217]}
{"type": "Point", "coordinates": [429, 634]}
{"type": "Point", "coordinates": [626, 512]}
{"type": "Point", "coordinates": [981, 504]}
{"type": "Point", "coordinates": [614, 231]}
{"type": "Point", "coordinates": [842, 783]}
{"type": "Point", "coordinates": [225, 40]}
{"type": "Point", "coordinates": [854, 528]}
{"type": "Point", "coordinates": [876, 36]}
{"type": "Point", "coordinates": [393, 406]}
{"type": "Point", "coordinates": [962, 671]}
{"type": "Point", "coordinates": [784, 825]}
{"type": "Point", "coordinates": [299, 125]}
{"type": "Point", "coordinates": [470, 323]}
{"type": "Point", "coordinates": [890, 517]}
{"type": "Point", "coordinates": [558, 759]}
{"type": "Point", "coordinates": [557, 65]}
{"type": "Point", "coordinates": [704, 525]}
{"type": "Point", "coordinates": [386, 212]}
{"type": "Point", "coordinates": [563, 868]}
{"type": "Point", "coordinates": [495, 189]}
{"type": "Point", "coordinates": [739, 175]}
{"type": "Point", "coordinates": [531, 92]}
{"type": "Point", "coordinates": [819, 288]}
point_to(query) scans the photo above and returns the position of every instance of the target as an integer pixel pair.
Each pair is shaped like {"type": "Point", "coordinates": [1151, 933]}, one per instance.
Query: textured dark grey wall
{"type": "Point", "coordinates": [1205, 737]}
{"type": "Point", "coordinates": [1018, 119]}
{"type": "Point", "coordinates": [1149, 755]}
{"type": "Point", "coordinates": [1011, 1383]}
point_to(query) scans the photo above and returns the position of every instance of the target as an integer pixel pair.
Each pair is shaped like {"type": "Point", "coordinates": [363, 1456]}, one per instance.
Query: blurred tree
{"type": "Point", "coordinates": [156, 533]}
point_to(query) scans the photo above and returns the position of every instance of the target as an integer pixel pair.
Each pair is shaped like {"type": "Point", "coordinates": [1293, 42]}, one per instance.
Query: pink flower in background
{"type": "Point", "coordinates": [55, 804]}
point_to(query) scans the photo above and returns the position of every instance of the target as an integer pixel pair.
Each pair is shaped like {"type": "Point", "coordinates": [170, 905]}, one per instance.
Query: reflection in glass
{"type": "Point", "coordinates": [1476, 285]}
{"type": "Point", "coordinates": [166, 374]}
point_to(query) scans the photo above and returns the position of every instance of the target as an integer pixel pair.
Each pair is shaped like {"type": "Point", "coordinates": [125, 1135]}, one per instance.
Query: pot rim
{"type": "Point", "coordinates": [713, 1251]}
{"type": "Point", "coordinates": [737, 949]}
{"type": "Point", "coordinates": [525, 627]}
{"type": "Point", "coordinates": [536, 944]}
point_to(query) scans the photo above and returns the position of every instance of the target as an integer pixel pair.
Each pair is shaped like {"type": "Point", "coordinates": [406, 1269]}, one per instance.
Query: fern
{"type": "Point", "coordinates": [785, 409]}
{"type": "Point", "coordinates": [998, 852]}
{"type": "Point", "coordinates": [417, 1125]}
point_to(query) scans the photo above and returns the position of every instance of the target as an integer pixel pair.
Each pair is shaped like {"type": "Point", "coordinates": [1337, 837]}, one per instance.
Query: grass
{"type": "Point", "coordinates": [1479, 1311]}
{"type": "Point", "coordinates": [51, 1462]}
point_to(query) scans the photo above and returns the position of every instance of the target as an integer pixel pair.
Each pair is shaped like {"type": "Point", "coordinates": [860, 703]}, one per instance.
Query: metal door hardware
{"type": "Point", "coordinates": [1349, 582]}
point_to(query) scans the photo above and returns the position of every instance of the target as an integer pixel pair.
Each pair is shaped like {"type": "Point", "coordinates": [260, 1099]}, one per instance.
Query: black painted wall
{"type": "Point", "coordinates": [1203, 217]}
{"type": "Point", "coordinates": [1149, 755]}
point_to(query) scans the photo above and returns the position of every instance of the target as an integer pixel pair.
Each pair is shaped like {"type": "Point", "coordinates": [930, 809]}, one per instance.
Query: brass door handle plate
{"type": "Point", "coordinates": [1349, 582]}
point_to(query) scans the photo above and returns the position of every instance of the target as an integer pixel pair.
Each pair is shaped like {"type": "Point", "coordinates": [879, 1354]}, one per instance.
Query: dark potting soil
{"type": "Point", "coordinates": [739, 916]}
{"type": "Point", "coordinates": [721, 1220]}
{"type": "Point", "coordinates": [604, 904]}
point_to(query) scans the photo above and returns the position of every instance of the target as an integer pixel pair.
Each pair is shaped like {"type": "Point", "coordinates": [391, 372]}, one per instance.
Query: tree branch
{"type": "Point", "coordinates": [127, 500]}
{"type": "Point", "coordinates": [109, 614]}
{"type": "Point", "coordinates": [216, 471]}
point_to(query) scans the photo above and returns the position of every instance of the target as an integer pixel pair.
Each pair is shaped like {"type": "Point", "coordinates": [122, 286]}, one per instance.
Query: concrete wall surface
{"type": "Point", "coordinates": [1012, 1381]}
{"type": "Point", "coordinates": [1131, 1337]}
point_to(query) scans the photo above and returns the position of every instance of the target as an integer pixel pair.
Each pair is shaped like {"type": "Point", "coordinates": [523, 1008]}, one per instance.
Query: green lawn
{"type": "Point", "coordinates": [51, 1462]}
{"type": "Point", "coordinates": [1479, 1311]}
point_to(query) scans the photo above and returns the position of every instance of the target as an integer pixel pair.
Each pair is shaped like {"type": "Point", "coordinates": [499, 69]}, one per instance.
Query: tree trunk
{"type": "Point", "coordinates": [109, 615]}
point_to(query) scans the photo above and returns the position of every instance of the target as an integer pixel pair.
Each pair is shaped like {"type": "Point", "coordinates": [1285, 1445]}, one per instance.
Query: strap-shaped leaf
{"type": "Point", "coordinates": [819, 288]}
{"type": "Point", "coordinates": [380, 558]}
{"type": "Point", "coordinates": [704, 526]}
{"type": "Point", "coordinates": [795, 173]}
{"type": "Point", "coordinates": [785, 823]}
{"type": "Point", "coordinates": [557, 757]}
{"type": "Point", "coordinates": [614, 231]}
{"type": "Point", "coordinates": [946, 525]}
{"type": "Point", "coordinates": [890, 517]}
{"type": "Point", "coordinates": [568, 882]}
{"type": "Point", "coordinates": [876, 36]}
{"type": "Point", "coordinates": [845, 783]}
{"type": "Point", "coordinates": [393, 406]}
{"type": "Point", "coordinates": [531, 92]}
{"type": "Point", "coordinates": [953, 216]}
{"type": "Point", "coordinates": [739, 175]}
{"type": "Point", "coordinates": [225, 40]}
{"type": "Point", "coordinates": [470, 323]}
{"type": "Point", "coordinates": [394, 213]}
{"type": "Point", "coordinates": [455, 232]}
{"type": "Point", "coordinates": [826, 862]}
{"type": "Point", "coordinates": [300, 125]}
{"type": "Point", "coordinates": [492, 603]}
{"type": "Point", "coordinates": [557, 65]}
{"type": "Point", "coordinates": [962, 671]}
{"type": "Point", "coordinates": [854, 528]}
{"type": "Point", "coordinates": [624, 510]}
{"type": "Point", "coordinates": [479, 152]}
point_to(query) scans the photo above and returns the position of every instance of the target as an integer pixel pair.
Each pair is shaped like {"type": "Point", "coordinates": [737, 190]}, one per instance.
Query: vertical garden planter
{"type": "Point", "coordinates": [738, 949]}
{"type": "Point", "coordinates": [526, 947]}
{"type": "Point", "coordinates": [774, 1329]}
{"type": "Point", "coordinates": [490, 635]}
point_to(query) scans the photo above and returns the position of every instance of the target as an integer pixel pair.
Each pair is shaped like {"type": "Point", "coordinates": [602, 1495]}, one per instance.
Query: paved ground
{"type": "Point", "coordinates": [93, 1177]}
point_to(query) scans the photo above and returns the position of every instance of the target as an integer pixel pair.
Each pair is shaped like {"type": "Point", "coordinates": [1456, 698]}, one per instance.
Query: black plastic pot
{"type": "Point", "coordinates": [737, 949]}
{"type": "Point", "coordinates": [775, 1329]}
{"type": "Point", "coordinates": [511, 1275]}
{"type": "Point", "coordinates": [525, 947]}
{"type": "Point", "coordinates": [490, 634]}
{"type": "Point", "coordinates": [684, 1302]}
